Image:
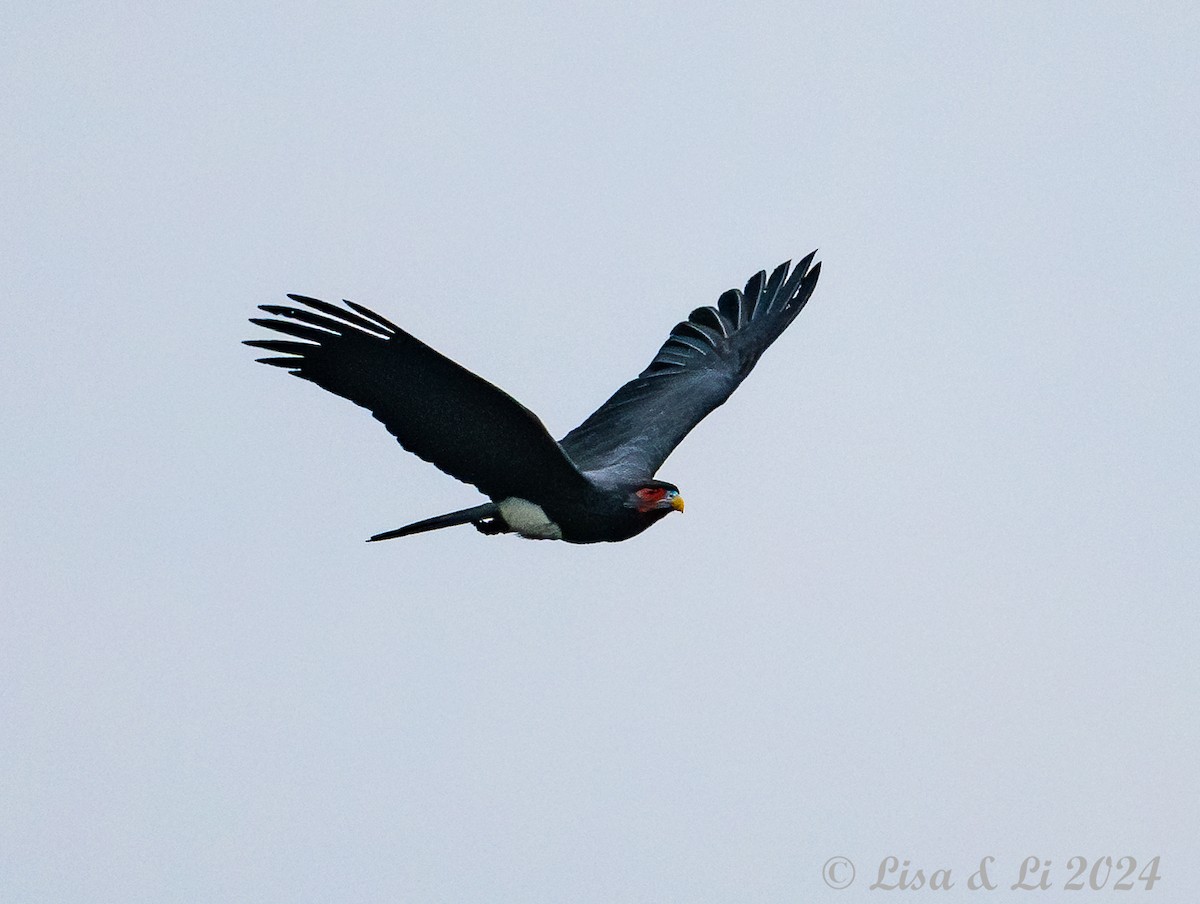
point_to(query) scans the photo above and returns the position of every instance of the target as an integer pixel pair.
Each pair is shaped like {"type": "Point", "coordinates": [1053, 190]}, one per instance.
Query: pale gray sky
{"type": "Point", "coordinates": [935, 593]}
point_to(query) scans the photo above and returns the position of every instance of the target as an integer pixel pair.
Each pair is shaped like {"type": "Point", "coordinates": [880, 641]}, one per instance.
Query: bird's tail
{"type": "Point", "coordinates": [478, 513]}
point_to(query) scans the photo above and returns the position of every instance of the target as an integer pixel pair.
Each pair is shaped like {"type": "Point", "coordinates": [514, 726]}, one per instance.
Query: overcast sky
{"type": "Point", "coordinates": [935, 592]}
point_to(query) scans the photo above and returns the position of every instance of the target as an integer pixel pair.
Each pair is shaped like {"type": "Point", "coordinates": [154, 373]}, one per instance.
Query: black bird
{"type": "Point", "coordinates": [596, 483]}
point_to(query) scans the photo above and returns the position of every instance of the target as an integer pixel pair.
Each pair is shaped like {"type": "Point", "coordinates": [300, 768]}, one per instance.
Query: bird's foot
{"type": "Point", "coordinates": [490, 526]}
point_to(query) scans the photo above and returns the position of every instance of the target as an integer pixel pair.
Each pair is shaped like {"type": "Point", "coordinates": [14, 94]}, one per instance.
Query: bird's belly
{"type": "Point", "coordinates": [528, 519]}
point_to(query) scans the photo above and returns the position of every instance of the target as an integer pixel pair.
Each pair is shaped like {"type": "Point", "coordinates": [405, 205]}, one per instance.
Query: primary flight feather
{"type": "Point", "coordinates": [597, 483]}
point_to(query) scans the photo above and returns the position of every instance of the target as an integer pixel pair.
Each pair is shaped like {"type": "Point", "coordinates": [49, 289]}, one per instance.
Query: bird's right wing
{"type": "Point", "coordinates": [702, 362]}
{"type": "Point", "coordinates": [436, 408]}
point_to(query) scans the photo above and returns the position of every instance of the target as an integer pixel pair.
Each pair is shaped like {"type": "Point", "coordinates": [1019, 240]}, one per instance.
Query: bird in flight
{"type": "Point", "coordinates": [594, 485]}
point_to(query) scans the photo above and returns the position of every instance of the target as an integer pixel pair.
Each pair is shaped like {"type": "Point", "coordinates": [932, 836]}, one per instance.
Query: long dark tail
{"type": "Point", "coordinates": [478, 513]}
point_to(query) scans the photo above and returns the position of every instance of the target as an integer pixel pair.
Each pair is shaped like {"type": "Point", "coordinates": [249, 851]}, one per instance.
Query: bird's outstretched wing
{"type": "Point", "coordinates": [436, 408]}
{"type": "Point", "coordinates": [697, 369]}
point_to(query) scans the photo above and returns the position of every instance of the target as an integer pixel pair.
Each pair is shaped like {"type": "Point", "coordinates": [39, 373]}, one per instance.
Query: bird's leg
{"type": "Point", "coordinates": [491, 526]}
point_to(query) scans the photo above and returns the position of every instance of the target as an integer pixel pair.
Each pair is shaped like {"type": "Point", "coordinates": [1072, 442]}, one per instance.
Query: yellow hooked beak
{"type": "Point", "coordinates": [677, 503]}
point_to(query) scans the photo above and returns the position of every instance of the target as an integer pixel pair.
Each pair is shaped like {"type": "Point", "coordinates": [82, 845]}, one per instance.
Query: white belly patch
{"type": "Point", "coordinates": [528, 519]}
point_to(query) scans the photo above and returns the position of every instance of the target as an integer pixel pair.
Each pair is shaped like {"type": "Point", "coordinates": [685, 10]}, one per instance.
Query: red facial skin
{"type": "Point", "coordinates": [649, 497]}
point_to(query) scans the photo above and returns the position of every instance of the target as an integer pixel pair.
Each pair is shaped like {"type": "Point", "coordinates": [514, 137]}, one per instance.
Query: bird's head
{"type": "Point", "coordinates": [656, 497]}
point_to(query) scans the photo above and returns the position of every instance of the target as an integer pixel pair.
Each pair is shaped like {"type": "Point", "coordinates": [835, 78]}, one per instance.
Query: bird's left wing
{"type": "Point", "coordinates": [697, 369]}
{"type": "Point", "coordinates": [436, 408]}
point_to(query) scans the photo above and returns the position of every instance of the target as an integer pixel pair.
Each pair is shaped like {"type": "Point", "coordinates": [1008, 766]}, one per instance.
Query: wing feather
{"type": "Point", "coordinates": [702, 362]}
{"type": "Point", "coordinates": [436, 408]}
